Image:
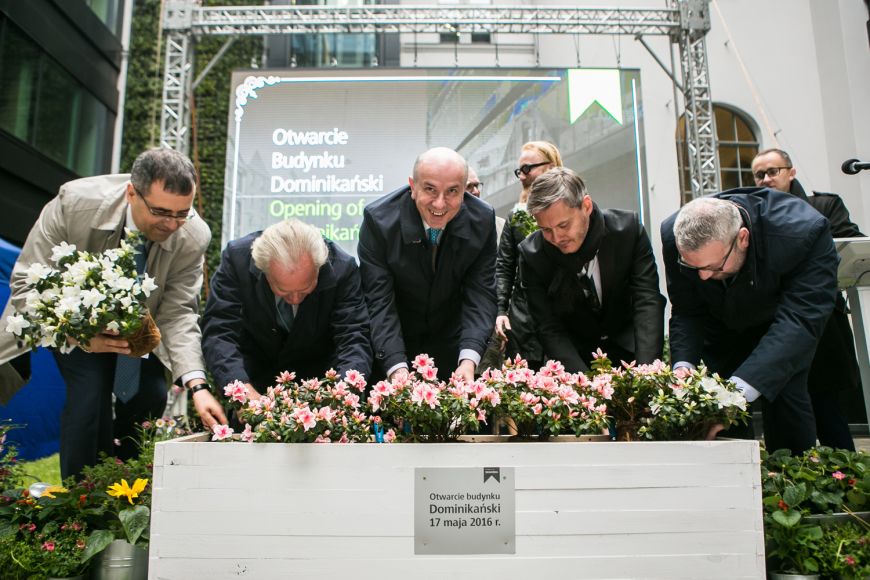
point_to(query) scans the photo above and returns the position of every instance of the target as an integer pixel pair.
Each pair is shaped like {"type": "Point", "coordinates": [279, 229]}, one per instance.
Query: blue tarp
{"type": "Point", "coordinates": [38, 405]}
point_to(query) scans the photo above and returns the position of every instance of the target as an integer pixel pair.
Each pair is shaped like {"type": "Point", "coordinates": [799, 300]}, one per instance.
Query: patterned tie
{"type": "Point", "coordinates": [128, 369]}
{"type": "Point", "coordinates": [434, 234]}
{"type": "Point", "coordinates": [285, 315]}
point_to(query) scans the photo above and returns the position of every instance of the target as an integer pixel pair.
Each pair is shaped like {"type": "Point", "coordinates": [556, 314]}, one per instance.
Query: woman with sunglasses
{"type": "Point", "coordinates": [513, 325]}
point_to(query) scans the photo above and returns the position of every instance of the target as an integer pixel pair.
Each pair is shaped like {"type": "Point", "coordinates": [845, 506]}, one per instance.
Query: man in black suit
{"type": "Point", "coordinates": [834, 372]}
{"type": "Point", "coordinates": [590, 277]}
{"type": "Point", "coordinates": [752, 278]}
{"type": "Point", "coordinates": [285, 299]}
{"type": "Point", "coordinates": [427, 258]}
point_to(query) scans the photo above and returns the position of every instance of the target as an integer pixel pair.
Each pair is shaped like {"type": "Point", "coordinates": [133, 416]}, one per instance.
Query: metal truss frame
{"type": "Point", "coordinates": [686, 22]}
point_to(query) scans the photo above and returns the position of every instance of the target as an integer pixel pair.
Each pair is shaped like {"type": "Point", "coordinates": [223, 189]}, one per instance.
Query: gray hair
{"type": "Point", "coordinates": [557, 184]}
{"type": "Point", "coordinates": [174, 169]}
{"type": "Point", "coordinates": [287, 242]}
{"type": "Point", "coordinates": [705, 220]}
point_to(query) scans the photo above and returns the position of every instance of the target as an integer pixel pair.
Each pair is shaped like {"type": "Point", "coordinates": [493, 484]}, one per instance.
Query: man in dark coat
{"type": "Point", "coordinates": [427, 258]}
{"type": "Point", "coordinates": [834, 371]}
{"type": "Point", "coordinates": [590, 277]}
{"type": "Point", "coordinates": [752, 278]}
{"type": "Point", "coordinates": [285, 299]}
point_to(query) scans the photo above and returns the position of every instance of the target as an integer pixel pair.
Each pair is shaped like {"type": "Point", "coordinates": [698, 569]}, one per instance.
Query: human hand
{"type": "Point", "coordinates": [502, 325]}
{"type": "Point", "coordinates": [208, 408]}
{"type": "Point", "coordinates": [466, 370]}
{"type": "Point", "coordinates": [107, 341]}
{"type": "Point", "coordinates": [399, 374]}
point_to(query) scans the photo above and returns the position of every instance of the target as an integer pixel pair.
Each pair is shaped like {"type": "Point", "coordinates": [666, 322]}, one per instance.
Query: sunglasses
{"type": "Point", "coordinates": [527, 168]}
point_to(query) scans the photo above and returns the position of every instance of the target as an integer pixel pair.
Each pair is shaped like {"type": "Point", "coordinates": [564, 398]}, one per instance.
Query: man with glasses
{"type": "Point", "coordinates": [752, 277]}
{"type": "Point", "coordinates": [474, 186]}
{"type": "Point", "coordinates": [834, 373]}
{"type": "Point", "coordinates": [589, 276]}
{"type": "Point", "coordinates": [92, 213]}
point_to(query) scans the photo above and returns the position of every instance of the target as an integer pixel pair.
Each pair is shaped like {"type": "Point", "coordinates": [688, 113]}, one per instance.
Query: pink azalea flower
{"type": "Point", "coordinates": [48, 546]}
{"type": "Point", "coordinates": [146, 424]}
{"type": "Point", "coordinates": [838, 475]}
{"type": "Point", "coordinates": [331, 374]}
{"type": "Point", "coordinates": [326, 414]}
{"type": "Point", "coordinates": [343, 438]}
{"type": "Point", "coordinates": [423, 360]}
{"type": "Point", "coordinates": [599, 354]}
{"type": "Point", "coordinates": [355, 379]}
{"type": "Point", "coordinates": [375, 400]}
{"type": "Point", "coordinates": [536, 410]}
{"type": "Point", "coordinates": [285, 377]}
{"type": "Point", "coordinates": [237, 391]}
{"type": "Point", "coordinates": [221, 432]}
{"type": "Point", "coordinates": [427, 372]}
{"type": "Point", "coordinates": [322, 439]}
{"type": "Point", "coordinates": [305, 417]}
{"type": "Point", "coordinates": [247, 435]}
{"type": "Point", "coordinates": [351, 400]}
{"type": "Point", "coordinates": [390, 436]}
{"type": "Point", "coordinates": [682, 373]}
{"type": "Point", "coordinates": [481, 415]}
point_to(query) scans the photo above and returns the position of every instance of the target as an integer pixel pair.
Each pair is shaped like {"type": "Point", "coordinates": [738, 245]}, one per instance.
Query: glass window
{"type": "Point", "coordinates": [44, 106]}
{"type": "Point", "coordinates": [736, 144]}
{"type": "Point", "coordinates": [110, 12]}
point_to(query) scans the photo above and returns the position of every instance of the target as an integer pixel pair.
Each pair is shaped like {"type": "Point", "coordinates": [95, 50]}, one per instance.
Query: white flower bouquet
{"type": "Point", "coordinates": [85, 295]}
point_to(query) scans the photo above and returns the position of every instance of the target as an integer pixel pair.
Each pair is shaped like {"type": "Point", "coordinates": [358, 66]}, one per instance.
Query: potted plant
{"type": "Point", "coordinates": [316, 410]}
{"type": "Point", "coordinates": [654, 402]}
{"type": "Point", "coordinates": [86, 294]}
{"type": "Point", "coordinates": [420, 408]}
{"type": "Point", "coordinates": [549, 402]}
{"type": "Point", "coordinates": [54, 551]}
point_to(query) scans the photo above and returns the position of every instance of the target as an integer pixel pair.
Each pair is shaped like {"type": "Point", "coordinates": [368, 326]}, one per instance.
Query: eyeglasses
{"type": "Point", "coordinates": [474, 185]}
{"type": "Point", "coordinates": [721, 267]}
{"type": "Point", "coordinates": [527, 168]}
{"type": "Point", "coordinates": [769, 172]}
{"type": "Point", "coordinates": [165, 213]}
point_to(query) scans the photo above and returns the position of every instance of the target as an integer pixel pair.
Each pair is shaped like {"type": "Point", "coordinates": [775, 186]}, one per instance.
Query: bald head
{"type": "Point", "coordinates": [442, 157]}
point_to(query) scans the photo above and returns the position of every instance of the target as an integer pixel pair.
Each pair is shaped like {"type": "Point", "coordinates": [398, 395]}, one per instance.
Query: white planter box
{"type": "Point", "coordinates": [583, 510]}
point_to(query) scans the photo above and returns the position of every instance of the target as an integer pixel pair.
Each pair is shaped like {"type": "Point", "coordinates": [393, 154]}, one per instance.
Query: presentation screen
{"type": "Point", "coordinates": [320, 144]}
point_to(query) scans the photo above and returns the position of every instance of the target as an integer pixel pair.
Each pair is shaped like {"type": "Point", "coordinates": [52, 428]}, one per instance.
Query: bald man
{"type": "Point", "coordinates": [427, 259]}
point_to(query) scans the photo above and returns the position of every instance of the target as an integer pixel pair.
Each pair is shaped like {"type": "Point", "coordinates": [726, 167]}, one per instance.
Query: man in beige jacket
{"type": "Point", "coordinates": [92, 213]}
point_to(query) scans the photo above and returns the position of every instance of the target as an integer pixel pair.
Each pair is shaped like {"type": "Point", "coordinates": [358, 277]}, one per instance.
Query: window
{"type": "Point", "coordinates": [736, 143]}
{"type": "Point", "coordinates": [44, 106]}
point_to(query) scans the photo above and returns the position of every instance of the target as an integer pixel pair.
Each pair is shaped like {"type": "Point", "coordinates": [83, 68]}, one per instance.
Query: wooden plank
{"type": "Point", "coordinates": [353, 547]}
{"type": "Point", "coordinates": [684, 566]}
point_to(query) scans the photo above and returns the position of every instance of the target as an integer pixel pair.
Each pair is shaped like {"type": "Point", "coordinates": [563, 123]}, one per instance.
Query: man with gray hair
{"type": "Point", "coordinates": [590, 277]}
{"type": "Point", "coordinates": [285, 299]}
{"type": "Point", "coordinates": [752, 277]}
{"type": "Point", "coordinates": [156, 199]}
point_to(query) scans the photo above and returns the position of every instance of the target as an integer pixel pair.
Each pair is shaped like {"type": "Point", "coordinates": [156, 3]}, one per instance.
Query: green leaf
{"type": "Point", "coordinates": [795, 494]}
{"type": "Point", "coordinates": [788, 519]}
{"type": "Point", "coordinates": [7, 529]}
{"type": "Point", "coordinates": [135, 521]}
{"type": "Point", "coordinates": [97, 542]}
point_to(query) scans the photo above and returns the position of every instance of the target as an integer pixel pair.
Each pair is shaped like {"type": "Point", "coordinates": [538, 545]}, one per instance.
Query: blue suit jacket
{"type": "Point", "coordinates": [414, 309]}
{"type": "Point", "coordinates": [774, 311]}
{"type": "Point", "coordinates": [243, 341]}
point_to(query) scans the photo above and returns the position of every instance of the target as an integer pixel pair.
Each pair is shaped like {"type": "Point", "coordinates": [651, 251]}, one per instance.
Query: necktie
{"type": "Point", "coordinates": [285, 315]}
{"type": "Point", "coordinates": [128, 369]}
{"type": "Point", "coordinates": [587, 286]}
{"type": "Point", "coordinates": [434, 234]}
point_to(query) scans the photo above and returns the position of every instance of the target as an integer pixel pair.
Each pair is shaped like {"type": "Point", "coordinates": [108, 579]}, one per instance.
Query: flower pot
{"type": "Point", "coordinates": [627, 430]}
{"type": "Point", "coordinates": [120, 560]}
{"type": "Point", "coordinates": [145, 339]}
{"type": "Point", "coordinates": [790, 576]}
{"type": "Point", "coordinates": [80, 577]}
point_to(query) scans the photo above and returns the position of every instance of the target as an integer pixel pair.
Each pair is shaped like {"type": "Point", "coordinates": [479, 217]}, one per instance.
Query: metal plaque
{"type": "Point", "coordinates": [464, 510]}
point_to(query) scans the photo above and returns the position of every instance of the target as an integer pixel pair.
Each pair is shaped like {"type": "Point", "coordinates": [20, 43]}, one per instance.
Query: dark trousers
{"type": "Point", "coordinates": [831, 423]}
{"type": "Point", "coordinates": [87, 426]}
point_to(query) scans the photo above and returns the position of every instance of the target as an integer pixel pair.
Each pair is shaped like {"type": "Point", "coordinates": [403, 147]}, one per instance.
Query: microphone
{"type": "Point", "coordinates": [853, 166]}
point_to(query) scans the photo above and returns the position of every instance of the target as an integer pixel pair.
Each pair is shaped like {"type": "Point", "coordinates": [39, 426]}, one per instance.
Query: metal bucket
{"type": "Point", "coordinates": [120, 561]}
